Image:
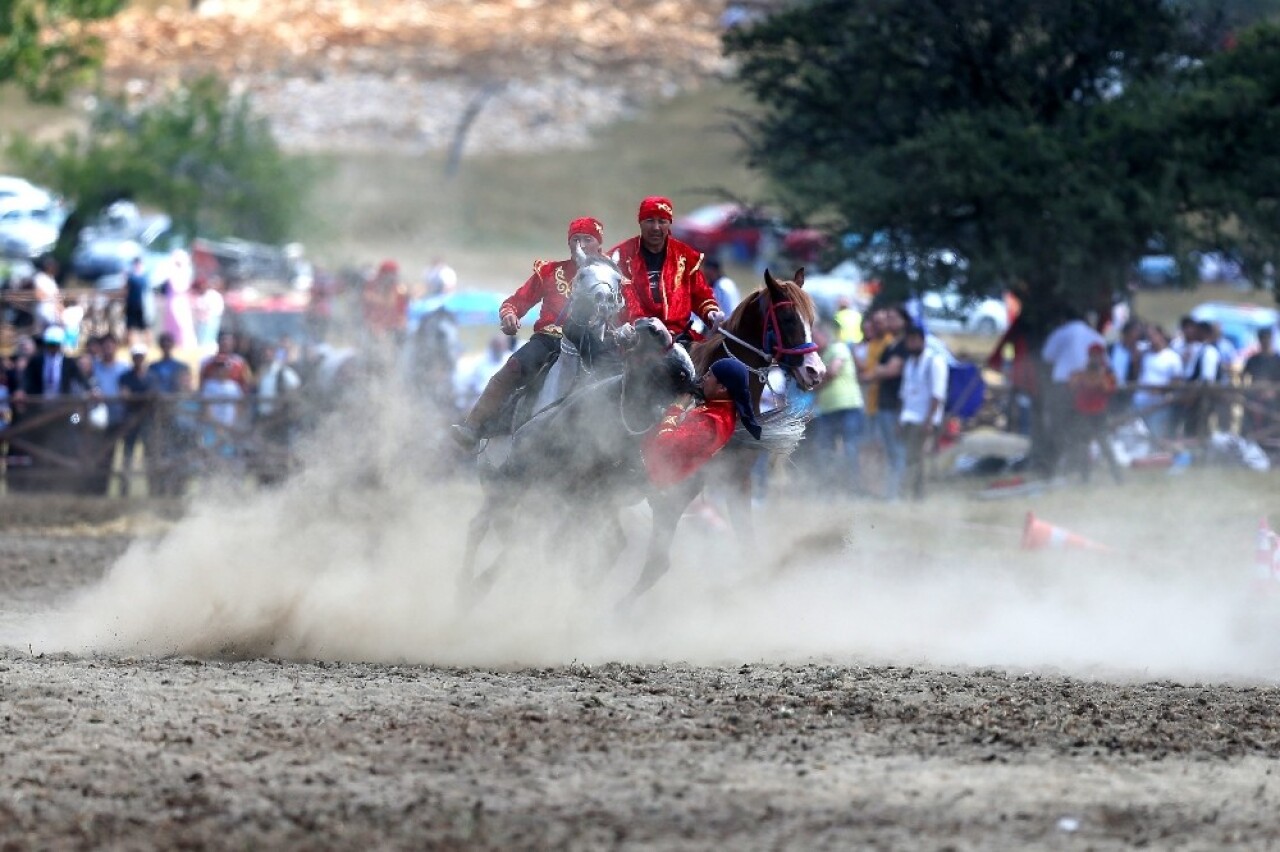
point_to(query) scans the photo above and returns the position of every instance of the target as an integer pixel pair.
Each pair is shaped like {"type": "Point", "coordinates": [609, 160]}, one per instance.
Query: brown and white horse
{"type": "Point", "coordinates": [772, 327]}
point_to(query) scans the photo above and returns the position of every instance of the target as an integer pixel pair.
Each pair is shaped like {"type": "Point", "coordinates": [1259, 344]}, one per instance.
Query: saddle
{"type": "Point", "coordinates": [524, 403]}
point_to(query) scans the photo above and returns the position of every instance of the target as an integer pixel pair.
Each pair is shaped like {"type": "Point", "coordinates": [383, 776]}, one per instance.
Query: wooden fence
{"type": "Point", "coordinates": [66, 444]}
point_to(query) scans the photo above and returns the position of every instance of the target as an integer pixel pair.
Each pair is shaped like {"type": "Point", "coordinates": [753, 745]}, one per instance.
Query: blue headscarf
{"type": "Point", "coordinates": [732, 373]}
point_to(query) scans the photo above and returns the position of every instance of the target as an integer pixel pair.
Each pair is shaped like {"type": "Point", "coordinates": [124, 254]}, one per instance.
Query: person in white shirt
{"type": "Point", "coordinates": [440, 278]}
{"type": "Point", "coordinates": [724, 287]}
{"type": "Point", "coordinates": [473, 374]}
{"type": "Point", "coordinates": [1126, 353]}
{"type": "Point", "coordinates": [207, 307]}
{"type": "Point", "coordinates": [1066, 352]}
{"type": "Point", "coordinates": [1161, 367]}
{"type": "Point", "coordinates": [924, 396]}
{"type": "Point", "coordinates": [1201, 366]}
{"type": "Point", "coordinates": [48, 296]}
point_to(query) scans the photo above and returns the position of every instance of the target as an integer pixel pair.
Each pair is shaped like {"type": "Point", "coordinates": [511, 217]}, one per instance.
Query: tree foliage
{"type": "Point", "coordinates": [201, 155]}
{"type": "Point", "coordinates": [45, 45]}
{"type": "Point", "coordinates": [1034, 139]}
{"type": "Point", "coordinates": [1226, 123]}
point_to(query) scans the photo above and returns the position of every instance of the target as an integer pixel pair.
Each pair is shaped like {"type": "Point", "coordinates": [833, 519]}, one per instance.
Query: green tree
{"type": "Point", "coordinates": [201, 155]}
{"type": "Point", "coordinates": [1000, 129]}
{"type": "Point", "coordinates": [1226, 123]}
{"type": "Point", "coordinates": [45, 45]}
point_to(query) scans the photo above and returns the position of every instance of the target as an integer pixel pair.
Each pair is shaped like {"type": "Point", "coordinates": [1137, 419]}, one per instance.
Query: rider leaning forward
{"type": "Point", "coordinates": [550, 284]}
{"type": "Point", "coordinates": [690, 434]}
{"type": "Point", "coordinates": [665, 279]}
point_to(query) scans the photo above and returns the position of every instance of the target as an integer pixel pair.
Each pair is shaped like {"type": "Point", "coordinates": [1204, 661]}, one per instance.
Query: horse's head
{"type": "Point", "coordinates": [597, 289]}
{"type": "Point", "coordinates": [666, 363]}
{"type": "Point", "coordinates": [789, 316]}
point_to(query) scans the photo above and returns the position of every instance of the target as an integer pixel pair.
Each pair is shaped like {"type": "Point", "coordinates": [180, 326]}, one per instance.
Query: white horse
{"type": "Point", "coordinates": [587, 345]}
{"type": "Point", "coordinates": [590, 320]}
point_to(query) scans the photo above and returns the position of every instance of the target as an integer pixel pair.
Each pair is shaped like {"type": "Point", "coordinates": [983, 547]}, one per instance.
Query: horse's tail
{"type": "Point", "coordinates": [781, 429]}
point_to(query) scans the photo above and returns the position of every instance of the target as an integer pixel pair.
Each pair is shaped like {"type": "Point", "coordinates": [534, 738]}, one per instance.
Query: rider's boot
{"type": "Point", "coordinates": [505, 382]}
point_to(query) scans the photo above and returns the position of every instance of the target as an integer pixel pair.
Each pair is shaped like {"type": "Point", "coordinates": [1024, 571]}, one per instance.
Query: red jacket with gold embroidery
{"type": "Point", "coordinates": [684, 289]}
{"type": "Point", "coordinates": [686, 439]}
{"type": "Point", "coordinates": [550, 284]}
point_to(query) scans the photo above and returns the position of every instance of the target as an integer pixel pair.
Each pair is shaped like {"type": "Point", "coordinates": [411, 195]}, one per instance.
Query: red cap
{"type": "Point", "coordinates": [656, 207]}
{"type": "Point", "coordinates": [388, 266]}
{"type": "Point", "coordinates": [588, 227]}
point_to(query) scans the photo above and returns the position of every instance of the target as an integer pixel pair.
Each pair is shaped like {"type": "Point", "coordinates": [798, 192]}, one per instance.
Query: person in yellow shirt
{"type": "Point", "coordinates": [848, 321]}
{"type": "Point", "coordinates": [875, 339]}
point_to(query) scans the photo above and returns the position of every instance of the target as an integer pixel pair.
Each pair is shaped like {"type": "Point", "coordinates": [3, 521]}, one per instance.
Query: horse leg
{"type": "Point", "coordinates": [667, 508]}
{"type": "Point", "coordinates": [613, 539]}
{"type": "Point", "coordinates": [606, 546]}
{"type": "Point", "coordinates": [492, 517]}
{"type": "Point", "coordinates": [467, 579]}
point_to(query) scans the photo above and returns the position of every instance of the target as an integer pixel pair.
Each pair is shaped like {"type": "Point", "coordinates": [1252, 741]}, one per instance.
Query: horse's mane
{"type": "Point", "coordinates": [712, 348]}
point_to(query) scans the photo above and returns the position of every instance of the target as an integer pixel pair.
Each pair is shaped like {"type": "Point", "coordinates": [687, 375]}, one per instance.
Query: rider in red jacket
{"type": "Point", "coordinates": [551, 283]}
{"type": "Point", "coordinates": [665, 275]}
{"type": "Point", "coordinates": [688, 436]}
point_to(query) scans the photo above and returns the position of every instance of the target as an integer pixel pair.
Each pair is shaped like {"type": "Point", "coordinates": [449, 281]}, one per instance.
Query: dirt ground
{"type": "Point", "coordinates": [214, 730]}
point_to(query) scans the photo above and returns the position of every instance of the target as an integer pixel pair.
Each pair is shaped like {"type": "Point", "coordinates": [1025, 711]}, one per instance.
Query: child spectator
{"type": "Point", "coordinates": [1092, 389]}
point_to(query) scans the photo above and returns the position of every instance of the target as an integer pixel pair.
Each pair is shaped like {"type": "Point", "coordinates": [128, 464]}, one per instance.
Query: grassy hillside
{"type": "Point", "coordinates": [503, 210]}
{"type": "Point", "coordinates": [500, 211]}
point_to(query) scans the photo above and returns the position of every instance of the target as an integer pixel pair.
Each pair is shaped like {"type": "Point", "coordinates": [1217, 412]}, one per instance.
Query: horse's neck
{"type": "Point", "coordinates": [718, 347]}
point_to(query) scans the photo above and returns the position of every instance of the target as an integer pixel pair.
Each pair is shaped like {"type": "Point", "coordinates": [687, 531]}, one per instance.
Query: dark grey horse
{"type": "Point", "coordinates": [583, 450]}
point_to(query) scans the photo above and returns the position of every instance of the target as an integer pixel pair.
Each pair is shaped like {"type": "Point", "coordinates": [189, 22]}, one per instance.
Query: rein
{"type": "Point", "coordinates": [622, 411]}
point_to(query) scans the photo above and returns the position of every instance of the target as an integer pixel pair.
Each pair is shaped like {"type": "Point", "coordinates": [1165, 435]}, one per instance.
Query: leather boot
{"type": "Point", "coordinates": [504, 383]}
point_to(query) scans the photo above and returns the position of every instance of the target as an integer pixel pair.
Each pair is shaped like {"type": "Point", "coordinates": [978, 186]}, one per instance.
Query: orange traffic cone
{"type": "Point", "coordinates": [1036, 535]}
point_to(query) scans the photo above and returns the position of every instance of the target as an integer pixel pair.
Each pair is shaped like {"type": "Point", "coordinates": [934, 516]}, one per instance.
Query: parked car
{"type": "Point", "coordinates": [736, 232]}
{"type": "Point", "coordinates": [1157, 270]}
{"type": "Point", "coordinates": [950, 312]}
{"type": "Point", "coordinates": [843, 281]}
{"type": "Point", "coordinates": [20, 189]}
{"type": "Point", "coordinates": [28, 226]}
{"type": "Point", "coordinates": [1239, 323]}
{"type": "Point", "coordinates": [104, 250]}
{"type": "Point", "coordinates": [255, 316]}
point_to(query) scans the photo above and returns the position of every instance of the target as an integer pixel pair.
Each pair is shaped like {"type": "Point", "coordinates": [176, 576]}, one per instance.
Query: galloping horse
{"type": "Point", "coordinates": [587, 347]}
{"type": "Point", "coordinates": [585, 448]}
{"type": "Point", "coordinates": [771, 327]}
{"type": "Point", "coordinates": [588, 452]}
{"type": "Point", "coordinates": [586, 343]}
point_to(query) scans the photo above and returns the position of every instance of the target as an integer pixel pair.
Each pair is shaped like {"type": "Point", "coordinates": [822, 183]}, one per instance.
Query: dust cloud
{"type": "Point", "coordinates": [357, 558]}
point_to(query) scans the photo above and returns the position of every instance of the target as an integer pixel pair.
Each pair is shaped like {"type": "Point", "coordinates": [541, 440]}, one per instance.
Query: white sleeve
{"type": "Point", "coordinates": [1209, 366]}
{"type": "Point", "coordinates": [1052, 344]}
{"type": "Point", "coordinates": [938, 378]}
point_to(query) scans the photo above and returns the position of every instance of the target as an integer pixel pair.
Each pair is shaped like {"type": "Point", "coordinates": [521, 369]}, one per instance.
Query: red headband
{"type": "Point", "coordinates": [656, 207]}
{"type": "Point", "coordinates": [587, 227]}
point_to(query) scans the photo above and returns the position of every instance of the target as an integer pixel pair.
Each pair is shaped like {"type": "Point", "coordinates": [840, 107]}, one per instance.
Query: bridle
{"type": "Point", "coordinates": [771, 349]}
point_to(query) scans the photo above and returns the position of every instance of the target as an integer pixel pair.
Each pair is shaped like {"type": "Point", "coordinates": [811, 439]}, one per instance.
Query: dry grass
{"type": "Point", "coordinates": [500, 212]}
{"type": "Point", "coordinates": [1166, 306]}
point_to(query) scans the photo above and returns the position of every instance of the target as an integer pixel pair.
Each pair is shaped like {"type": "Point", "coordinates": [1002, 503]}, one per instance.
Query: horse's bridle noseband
{"type": "Point", "coordinates": [771, 346]}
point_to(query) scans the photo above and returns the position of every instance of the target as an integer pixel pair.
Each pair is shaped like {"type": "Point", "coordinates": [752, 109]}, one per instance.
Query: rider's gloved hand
{"type": "Point", "coordinates": [510, 324]}
{"type": "Point", "coordinates": [714, 318]}
{"type": "Point", "coordinates": [625, 334]}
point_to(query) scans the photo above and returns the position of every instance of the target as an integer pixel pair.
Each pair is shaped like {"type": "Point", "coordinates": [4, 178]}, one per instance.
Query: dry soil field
{"type": "Point", "coordinates": [289, 669]}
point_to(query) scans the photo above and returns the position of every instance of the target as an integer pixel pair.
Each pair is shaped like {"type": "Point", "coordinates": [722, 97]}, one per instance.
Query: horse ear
{"type": "Point", "coordinates": [579, 256]}
{"type": "Point", "coordinates": [799, 277]}
{"type": "Point", "coordinates": [772, 283]}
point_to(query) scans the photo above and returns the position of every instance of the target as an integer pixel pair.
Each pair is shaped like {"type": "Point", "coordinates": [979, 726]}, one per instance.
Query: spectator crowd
{"type": "Point", "coordinates": [172, 394]}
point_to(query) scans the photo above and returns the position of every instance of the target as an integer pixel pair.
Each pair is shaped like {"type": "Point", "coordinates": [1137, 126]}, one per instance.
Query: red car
{"type": "Point", "coordinates": [735, 232]}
